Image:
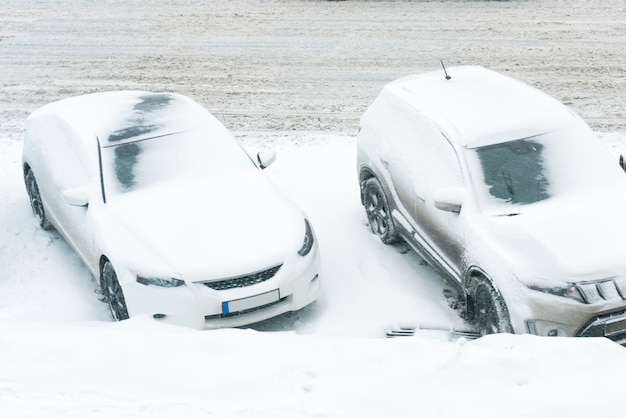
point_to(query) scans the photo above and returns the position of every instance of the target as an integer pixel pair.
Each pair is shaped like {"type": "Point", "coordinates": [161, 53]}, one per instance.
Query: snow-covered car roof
{"type": "Point", "coordinates": [117, 117]}
{"type": "Point", "coordinates": [478, 107]}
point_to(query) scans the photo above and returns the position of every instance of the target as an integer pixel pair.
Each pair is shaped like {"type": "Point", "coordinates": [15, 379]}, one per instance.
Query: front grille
{"type": "Point", "coordinates": [243, 281]}
{"type": "Point", "coordinates": [611, 325]}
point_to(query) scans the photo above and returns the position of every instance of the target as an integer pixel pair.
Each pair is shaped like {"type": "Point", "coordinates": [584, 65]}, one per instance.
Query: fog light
{"type": "Point", "coordinates": [159, 316]}
{"type": "Point", "coordinates": [538, 327]}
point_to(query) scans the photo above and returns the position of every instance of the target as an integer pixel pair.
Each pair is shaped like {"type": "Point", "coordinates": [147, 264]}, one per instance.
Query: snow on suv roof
{"type": "Point", "coordinates": [478, 107]}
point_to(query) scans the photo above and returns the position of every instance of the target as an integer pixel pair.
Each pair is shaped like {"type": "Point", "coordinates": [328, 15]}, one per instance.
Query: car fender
{"type": "Point", "coordinates": [125, 250]}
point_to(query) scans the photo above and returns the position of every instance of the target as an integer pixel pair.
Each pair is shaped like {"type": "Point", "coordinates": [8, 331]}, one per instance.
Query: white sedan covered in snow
{"type": "Point", "coordinates": [167, 210]}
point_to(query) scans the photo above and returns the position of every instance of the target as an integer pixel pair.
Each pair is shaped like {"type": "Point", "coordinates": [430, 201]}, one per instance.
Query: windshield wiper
{"type": "Point", "coordinates": [509, 185]}
{"type": "Point", "coordinates": [509, 214]}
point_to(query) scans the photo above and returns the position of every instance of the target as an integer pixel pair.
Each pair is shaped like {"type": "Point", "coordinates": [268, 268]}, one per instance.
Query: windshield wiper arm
{"type": "Point", "coordinates": [509, 185]}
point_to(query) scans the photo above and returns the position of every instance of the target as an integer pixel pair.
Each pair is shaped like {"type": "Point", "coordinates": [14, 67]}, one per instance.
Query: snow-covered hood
{"type": "Point", "coordinates": [572, 244]}
{"type": "Point", "coordinates": [215, 228]}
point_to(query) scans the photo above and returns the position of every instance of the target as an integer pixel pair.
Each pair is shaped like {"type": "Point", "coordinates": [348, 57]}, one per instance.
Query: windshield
{"type": "Point", "coordinates": [181, 156]}
{"type": "Point", "coordinates": [515, 171]}
{"type": "Point", "coordinates": [534, 169]}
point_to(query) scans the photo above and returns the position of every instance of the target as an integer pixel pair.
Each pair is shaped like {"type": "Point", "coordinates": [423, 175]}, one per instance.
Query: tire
{"type": "Point", "coordinates": [492, 315]}
{"type": "Point", "coordinates": [113, 293]}
{"type": "Point", "coordinates": [35, 199]}
{"type": "Point", "coordinates": [378, 212]}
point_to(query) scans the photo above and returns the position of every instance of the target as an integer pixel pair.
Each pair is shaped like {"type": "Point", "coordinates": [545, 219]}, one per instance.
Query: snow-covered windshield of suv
{"type": "Point", "coordinates": [528, 170]}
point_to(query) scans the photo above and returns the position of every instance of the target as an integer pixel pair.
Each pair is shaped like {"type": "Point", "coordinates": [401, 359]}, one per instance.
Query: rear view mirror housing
{"type": "Point", "coordinates": [449, 199]}
{"type": "Point", "coordinates": [266, 157]}
{"type": "Point", "coordinates": [78, 196]}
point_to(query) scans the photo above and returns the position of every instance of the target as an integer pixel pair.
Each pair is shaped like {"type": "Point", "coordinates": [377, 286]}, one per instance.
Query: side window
{"type": "Point", "coordinates": [62, 154]}
{"type": "Point", "coordinates": [447, 168]}
{"type": "Point", "coordinates": [437, 161]}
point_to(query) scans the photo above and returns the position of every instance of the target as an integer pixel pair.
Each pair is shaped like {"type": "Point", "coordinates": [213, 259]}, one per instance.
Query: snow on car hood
{"type": "Point", "coordinates": [569, 242]}
{"type": "Point", "coordinates": [218, 227]}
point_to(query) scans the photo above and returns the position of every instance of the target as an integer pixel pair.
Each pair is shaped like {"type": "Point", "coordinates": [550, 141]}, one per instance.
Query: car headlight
{"type": "Point", "coordinates": [567, 290]}
{"type": "Point", "coordinates": [307, 244]}
{"type": "Point", "coordinates": [160, 281]}
{"type": "Point", "coordinates": [584, 292]}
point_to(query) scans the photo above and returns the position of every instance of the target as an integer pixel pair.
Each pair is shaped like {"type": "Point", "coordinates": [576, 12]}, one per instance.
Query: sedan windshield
{"type": "Point", "coordinates": [537, 168]}
{"type": "Point", "coordinates": [181, 156]}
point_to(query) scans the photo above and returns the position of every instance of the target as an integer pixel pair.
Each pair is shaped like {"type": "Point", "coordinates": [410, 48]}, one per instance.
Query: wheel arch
{"type": "Point", "coordinates": [25, 170]}
{"type": "Point", "coordinates": [103, 260]}
{"type": "Point", "coordinates": [365, 174]}
{"type": "Point", "coordinates": [473, 278]}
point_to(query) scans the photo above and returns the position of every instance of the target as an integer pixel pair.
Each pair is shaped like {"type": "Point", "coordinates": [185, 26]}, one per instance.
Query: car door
{"type": "Point", "coordinates": [402, 157]}
{"type": "Point", "coordinates": [439, 169]}
{"type": "Point", "coordinates": [406, 154]}
{"type": "Point", "coordinates": [67, 164]}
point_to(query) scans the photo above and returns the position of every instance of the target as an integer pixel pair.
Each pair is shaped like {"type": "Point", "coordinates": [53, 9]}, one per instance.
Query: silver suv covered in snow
{"type": "Point", "coordinates": [507, 193]}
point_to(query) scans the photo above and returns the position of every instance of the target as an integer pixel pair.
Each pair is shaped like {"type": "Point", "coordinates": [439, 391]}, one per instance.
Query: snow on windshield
{"type": "Point", "coordinates": [195, 153]}
{"type": "Point", "coordinates": [149, 115]}
{"type": "Point", "coordinates": [163, 137]}
{"type": "Point", "coordinates": [530, 170]}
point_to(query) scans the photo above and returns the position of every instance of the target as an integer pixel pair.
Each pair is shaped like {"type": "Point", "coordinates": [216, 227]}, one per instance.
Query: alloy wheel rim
{"type": "Point", "coordinates": [377, 214]}
{"type": "Point", "coordinates": [488, 323]}
{"type": "Point", "coordinates": [35, 198]}
{"type": "Point", "coordinates": [115, 296]}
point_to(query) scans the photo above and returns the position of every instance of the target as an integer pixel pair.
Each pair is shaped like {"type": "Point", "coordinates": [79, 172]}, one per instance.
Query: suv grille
{"type": "Point", "coordinates": [243, 281]}
{"type": "Point", "coordinates": [611, 325]}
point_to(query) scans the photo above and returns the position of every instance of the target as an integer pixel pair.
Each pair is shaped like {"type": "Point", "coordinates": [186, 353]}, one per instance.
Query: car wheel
{"type": "Point", "coordinates": [492, 316]}
{"type": "Point", "coordinates": [378, 213]}
{"type": "Point", "coordinates": [35, 199]}
{"type": "Point", "coordinates": [113, 293]}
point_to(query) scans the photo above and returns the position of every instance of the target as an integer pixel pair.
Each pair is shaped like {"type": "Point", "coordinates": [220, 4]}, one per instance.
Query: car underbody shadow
{"type": "Point", "coordinates": [289, 321]}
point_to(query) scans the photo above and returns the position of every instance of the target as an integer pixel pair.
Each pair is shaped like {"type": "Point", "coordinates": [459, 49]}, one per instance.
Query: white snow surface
{"type": "Point", "coordinates": [309, 68]}
{"type": "Point", "coordinates": [60, 356]}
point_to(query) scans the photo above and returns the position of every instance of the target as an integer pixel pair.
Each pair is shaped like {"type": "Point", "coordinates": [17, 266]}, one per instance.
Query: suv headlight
{"type": "Point", "coordinates": [160, 281]}
{"type": "Point", "coordinates": [567, 290]}
{"type": "Point", "coordinates": [583, 292]}
{"type": "Point", "coordinates": [307, 244]}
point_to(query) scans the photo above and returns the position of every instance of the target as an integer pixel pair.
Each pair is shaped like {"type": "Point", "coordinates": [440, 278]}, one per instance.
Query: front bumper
{"type": "Point", "coordinates": [611, 325]}
{"type": "Point", "coordinates": [199, 306]}
{"type": "Point", "coordinates": [549, 315]}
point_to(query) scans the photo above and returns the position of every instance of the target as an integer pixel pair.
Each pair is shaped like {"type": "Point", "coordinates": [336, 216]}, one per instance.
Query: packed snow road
{"type": "Point", "coordinates": [306, 65]}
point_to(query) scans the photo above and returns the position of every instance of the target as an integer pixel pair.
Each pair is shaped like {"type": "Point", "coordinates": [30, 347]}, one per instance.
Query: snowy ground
{"type": "Point", "coordinates": [60, 356]}
{"type": "Point", "coordinates": [295, 75]}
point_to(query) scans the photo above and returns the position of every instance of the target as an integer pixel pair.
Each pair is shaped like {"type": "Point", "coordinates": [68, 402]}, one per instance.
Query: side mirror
{"type": "Point", "coordinates": [449, 199]}
{"type": "Point", "coordinates": [266, 157]}
{"type": "Point", "coordinates": [76, 197]}
{"type": "Point", "coordinates": [622, 162]}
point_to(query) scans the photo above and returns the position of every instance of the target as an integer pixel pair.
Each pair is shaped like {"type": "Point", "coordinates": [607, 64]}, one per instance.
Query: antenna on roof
{"type": "Point", "coordinates": [444, 70]}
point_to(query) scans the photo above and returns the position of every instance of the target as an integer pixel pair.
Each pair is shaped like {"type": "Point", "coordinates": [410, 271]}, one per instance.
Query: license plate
{"type": "Point", "coordinates": [255, 301]}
